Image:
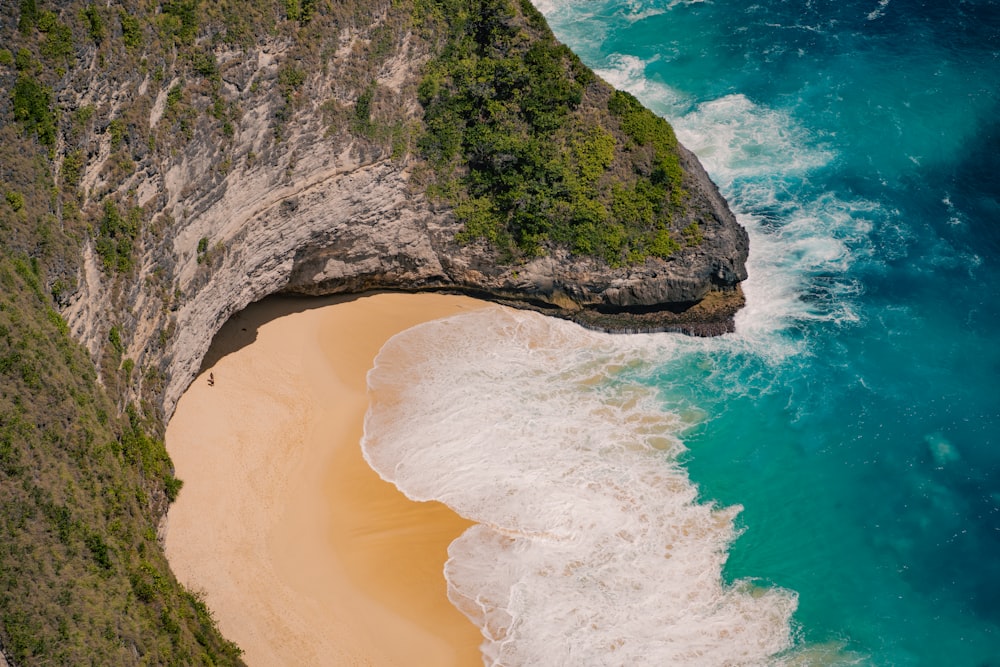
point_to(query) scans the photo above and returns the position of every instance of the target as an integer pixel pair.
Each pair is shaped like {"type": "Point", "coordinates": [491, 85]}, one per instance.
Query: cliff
{"type": "Point", "coordinates": [288, 194]}
{"type": "Point", "coordinates": [166, 164]}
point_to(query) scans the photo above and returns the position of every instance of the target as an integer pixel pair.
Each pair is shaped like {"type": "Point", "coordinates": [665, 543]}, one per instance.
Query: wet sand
{"type": "Point", "coordinates": [304, 555]}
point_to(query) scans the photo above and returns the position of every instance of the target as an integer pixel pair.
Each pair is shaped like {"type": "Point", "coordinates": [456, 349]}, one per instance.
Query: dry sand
{"type": "Point", "coordinates": [305, 556]}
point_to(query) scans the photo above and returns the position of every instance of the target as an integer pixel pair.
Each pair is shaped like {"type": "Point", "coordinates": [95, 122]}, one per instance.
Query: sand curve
{"type": "Point", "coordinates": [304, 555]}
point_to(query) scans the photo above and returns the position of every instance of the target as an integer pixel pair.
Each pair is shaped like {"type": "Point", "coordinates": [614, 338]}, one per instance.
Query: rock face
{"type": "Point", "coordinates": [396, 241]}
{"type": "Point", "coordinates": [319, 214]}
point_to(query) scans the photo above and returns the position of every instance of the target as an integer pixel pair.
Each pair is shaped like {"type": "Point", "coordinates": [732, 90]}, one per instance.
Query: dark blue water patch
{"type": "Point", "coordinates": [973, 191]}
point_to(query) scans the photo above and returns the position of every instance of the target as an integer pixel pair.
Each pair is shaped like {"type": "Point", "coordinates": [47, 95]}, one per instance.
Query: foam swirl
{"type": "Point", "coordinates": [591, 546]}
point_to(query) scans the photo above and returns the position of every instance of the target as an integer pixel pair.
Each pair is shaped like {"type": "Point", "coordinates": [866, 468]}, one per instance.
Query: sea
{"type": "Point", "coordinates": [821, 487]}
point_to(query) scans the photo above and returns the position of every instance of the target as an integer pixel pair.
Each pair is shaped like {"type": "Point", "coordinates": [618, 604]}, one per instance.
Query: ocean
{"type": "Point", "coordinates": [821, 487]}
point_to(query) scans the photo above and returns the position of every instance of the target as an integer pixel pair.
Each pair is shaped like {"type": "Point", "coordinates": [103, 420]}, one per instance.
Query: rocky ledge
{"type": "Point", "coordinates": [696, 291]}
{"type": "Point", "coordinates": [347, 227]}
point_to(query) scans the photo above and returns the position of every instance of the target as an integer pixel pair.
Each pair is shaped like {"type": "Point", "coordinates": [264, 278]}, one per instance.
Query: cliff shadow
{"type": "Point", "coordinates": [241, 328]}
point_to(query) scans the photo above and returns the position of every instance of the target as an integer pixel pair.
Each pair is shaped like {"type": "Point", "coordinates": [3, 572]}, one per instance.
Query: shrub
{"type": "Point", "coordinates": [115, 237]}
{"type": "Point", "coordinates": [28, 18]}
{"type": "Point", "coordinates": [95, 24]}
{"type": "Point", "coordinates": [116, 130]}
{"type": "Point", "coordinates": [361, 123]}
{"type": "Point", "coordinates": [663, 244]}
{"type": "Point", "coordinates": [179, 20]}
{"type": "Point", "coordinates": [15, 199]}
{"type": "Point", "coordinates": [524, 159]}
{"type": "Point", "coordinates": [692, 235]}
{"type": "Point", "coordinates": [203, 63]}
{"type": "Point", "coordinates": [58, 43]}
{"type": "Point", "coordinates": [131, 29]}
{"type": "Point", "coordinates": [32, 104]}
{"type": "Point", "coordinates": [72, 168]}
{"type": "Point", "coordinates": [115, 338]}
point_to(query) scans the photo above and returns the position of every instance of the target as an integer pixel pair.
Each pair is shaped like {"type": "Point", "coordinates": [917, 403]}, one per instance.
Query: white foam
{"type": "Point", "coordinates": [591, 546]}
{"type": "Point", "coordinates": [879, 11]}
{"type": "Point", "coordinates": [802, 244]}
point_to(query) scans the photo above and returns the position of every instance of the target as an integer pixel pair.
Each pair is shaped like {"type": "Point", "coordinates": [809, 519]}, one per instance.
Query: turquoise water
{"type": "Point", "coordinates": [859, 143]}
{"type": "Point", "coordinates": [822, 486]}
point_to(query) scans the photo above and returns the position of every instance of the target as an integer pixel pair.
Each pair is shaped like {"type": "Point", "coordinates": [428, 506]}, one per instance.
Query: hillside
{"type": "Point", "coordinates": [164, 164]}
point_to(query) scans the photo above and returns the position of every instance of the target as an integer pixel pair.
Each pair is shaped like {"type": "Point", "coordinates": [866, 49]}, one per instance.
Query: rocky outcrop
{"type": "Point", "coordinates": [320, 214]}
{"type": "Point", "coordinates": [401, 243]}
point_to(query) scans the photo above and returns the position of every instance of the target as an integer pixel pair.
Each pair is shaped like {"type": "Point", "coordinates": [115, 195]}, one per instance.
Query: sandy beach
{"type": "Point", "coordinates": [304, 555]}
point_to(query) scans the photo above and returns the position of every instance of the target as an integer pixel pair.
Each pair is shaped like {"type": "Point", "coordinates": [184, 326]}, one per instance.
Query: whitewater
{"type": "Point", "coordinates": [823, 485]}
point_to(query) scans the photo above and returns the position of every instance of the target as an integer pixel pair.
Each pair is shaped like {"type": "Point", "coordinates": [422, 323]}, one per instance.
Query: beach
{"type": "Point", "coordinates": [304, 555]}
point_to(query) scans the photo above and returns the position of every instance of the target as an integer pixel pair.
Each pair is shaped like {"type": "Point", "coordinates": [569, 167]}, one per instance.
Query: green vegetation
{"type": "Point", "coordinates": [116, 236]}
{"type": "Point", "coordinates": [58, 43]}
{"type": "Point", "coordinates": [82, 578]}
{"type": "Point", "coordinates": [532, 151]}
{"type": "Point", "coordinates": [179, 20]}
{"type": "Point", "coordinates": [28, 17]}
{"type": "Point", "coordinates": [83, 483]}
{"type": "Point", "coordinates": [16, 200]}
{"type": "Point", "coordinates": [647, 129]}
{"type": "Point", "coordinates": [72, 168]}
{"type": "Point", "coordinates": [32, 104]}
{"type": "Point", "coordinates": [95, 24]}
{"type": "Point", "coordinates": [131, 29]}
{"type": "Point", "coordinates": [362, 121]}
{"type": "Point", "coordinates": [290, 80]}
{"type": "Point", "coordinates": [299, 10]}
{"type": "Point", "coordinates": [116, 130]}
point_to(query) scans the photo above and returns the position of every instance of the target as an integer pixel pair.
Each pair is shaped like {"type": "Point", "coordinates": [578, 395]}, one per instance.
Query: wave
{"type": "Point", "coordinates": [590, 545]}
{"type": "Point", "coordinates": [804, 241]}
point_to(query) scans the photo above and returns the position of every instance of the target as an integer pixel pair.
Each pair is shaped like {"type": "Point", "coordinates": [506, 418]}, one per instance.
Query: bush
{"type": "Point", "coordinates": [203, 63]}
{"type": "Point", "coordinates": [28, 18]}
{"type": "Point", "coordinates": [361, 123]}
{"type": "Point", "coordinates": [131, 29]}
{"type": "Point", "coordinates": [15, 199]}
{"type": "Point", "coordinates": [179, 20]}
{"type": "Point", "coordinates": [32, 104]}
{"type": "Point", "coordinates": [116, 130]}
{"type": "Point", "coordinates": [115, 237]}
{"type": "Point", "coordinates": [83, 579]}
{"type": "Point", "coordinates": [647, 129]}
{"type": "Point", "coordinates": [95, 24]}
{"type": "Point", "coordinates": [72, 168]}
{"type": "Point", "coordinates": [58, 44]}
{"type": "Point", "coordinates": [692, 235]}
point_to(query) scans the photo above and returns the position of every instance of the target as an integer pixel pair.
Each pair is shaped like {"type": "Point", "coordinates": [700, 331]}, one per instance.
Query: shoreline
{"type": "Point", "coordinates": [305, 555]}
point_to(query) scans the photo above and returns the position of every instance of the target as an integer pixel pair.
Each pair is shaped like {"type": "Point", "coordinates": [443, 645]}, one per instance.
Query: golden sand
{"type": "Point", "coordinates": [305, 556]}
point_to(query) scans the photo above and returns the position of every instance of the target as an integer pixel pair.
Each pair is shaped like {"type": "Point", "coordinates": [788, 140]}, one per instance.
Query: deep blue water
{"type": "Point", "coordinates": [859, 428]}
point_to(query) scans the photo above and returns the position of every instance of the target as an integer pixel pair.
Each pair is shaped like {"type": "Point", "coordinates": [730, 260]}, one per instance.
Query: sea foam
{"type": "Point", "coordinates": [803, 240]}
{"type": "Point", "coordinates": [591, 546]}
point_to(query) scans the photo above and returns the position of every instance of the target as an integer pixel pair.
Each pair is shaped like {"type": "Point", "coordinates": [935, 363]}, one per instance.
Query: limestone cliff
{"type": "Point", "coordinates": [286, 200]}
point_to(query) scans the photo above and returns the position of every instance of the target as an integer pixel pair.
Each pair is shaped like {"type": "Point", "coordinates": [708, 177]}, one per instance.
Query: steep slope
{"type": "Point", "coordinates": [164, 164]}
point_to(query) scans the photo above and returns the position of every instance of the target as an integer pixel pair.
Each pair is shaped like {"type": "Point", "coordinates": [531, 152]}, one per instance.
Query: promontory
{"type": "Point", "coordinates": [165, 163]}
